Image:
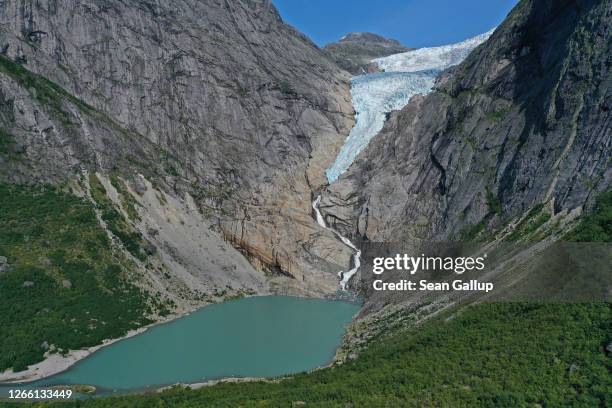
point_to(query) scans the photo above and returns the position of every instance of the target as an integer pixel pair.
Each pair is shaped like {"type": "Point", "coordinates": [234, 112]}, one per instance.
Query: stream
{"type": "Point", "coordinates": [344, 276]}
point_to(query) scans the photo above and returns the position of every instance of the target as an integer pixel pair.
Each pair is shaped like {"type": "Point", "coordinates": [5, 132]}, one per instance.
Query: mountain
{"type": "Point", "coordinates": [156, 158]}
{"type": "Point", "coordinates": [233, 104]}
{"type": "Point", "coordinates": [523, 122]}
{"type": "Point", "coordinates": [355, 51]}
{"type": "Point", "coordinates": [188, 136]}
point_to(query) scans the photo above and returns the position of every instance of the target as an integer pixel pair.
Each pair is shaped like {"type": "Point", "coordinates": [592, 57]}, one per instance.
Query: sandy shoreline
{"type": "Point", "coordinates": [195, 386]}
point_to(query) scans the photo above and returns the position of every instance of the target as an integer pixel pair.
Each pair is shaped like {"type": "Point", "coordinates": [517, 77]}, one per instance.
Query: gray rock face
{"type": "Point", "coordinates": [525, 119]}
{"type": "Point", "coordinates": [355, 51]}
{"type": "Point", "coordinates": [4, 265]}
{"type": "Point", "coordinates": [216, 98]}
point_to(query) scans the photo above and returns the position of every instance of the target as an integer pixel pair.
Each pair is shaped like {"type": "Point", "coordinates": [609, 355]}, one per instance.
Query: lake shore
{"type": "Point", "coordinates": [55, 363]}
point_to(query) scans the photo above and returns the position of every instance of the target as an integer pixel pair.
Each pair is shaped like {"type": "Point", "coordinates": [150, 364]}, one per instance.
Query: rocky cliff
{"type": "Point", "coordinates": [355, 51]}
{"type": "Point", "coordinates": [216, 104]}
{"type": "Point", "coordinates": [524, 121]}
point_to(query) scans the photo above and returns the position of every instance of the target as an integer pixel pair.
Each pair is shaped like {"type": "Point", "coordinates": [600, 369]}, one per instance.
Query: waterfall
{"type": "Point", "coordinates": [344, 276]}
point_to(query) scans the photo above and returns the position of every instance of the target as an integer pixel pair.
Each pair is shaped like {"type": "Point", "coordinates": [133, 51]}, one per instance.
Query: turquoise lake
{"type": "Point", "coordinates": [252, 337]}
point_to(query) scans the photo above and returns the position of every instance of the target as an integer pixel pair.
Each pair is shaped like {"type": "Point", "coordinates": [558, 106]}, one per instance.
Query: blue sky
{"type": "Point", "coordinates": [415, 23]}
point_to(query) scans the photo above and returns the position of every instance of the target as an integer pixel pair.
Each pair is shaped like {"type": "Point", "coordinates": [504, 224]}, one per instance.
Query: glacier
{"type": "Point", "coordinates": [403, 76]}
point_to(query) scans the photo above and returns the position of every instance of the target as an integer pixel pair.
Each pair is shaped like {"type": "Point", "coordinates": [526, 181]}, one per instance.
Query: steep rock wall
{"type": "Point", "coordinates": [524, 120]}
{"type": "Point", "coordinates": [230, 104]}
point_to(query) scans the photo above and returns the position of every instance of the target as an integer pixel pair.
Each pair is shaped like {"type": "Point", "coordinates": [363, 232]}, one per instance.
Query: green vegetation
{"type": "Point", "coordinates": [286, 88]}
{"type": "Point", "coordinates": [52, 96]}
{"type": "Point", "coordinates": [597, 226]}
{"type": "Point", "coordinates": [7, 141]}
{"type": "Point", "coordinates": [594, 227]}
{"type": "Point", "coordinates": [487, 355]}
{"type": "Point", "coordinates": [211, 198]}
{"type": "Point", "coordinates": [534, 219]}
{"type": "Point", "coordinates": [64, 288]}
{"type": "Point", "coordinates": [470, 232]}
{"type": "Point", "coordinates": [493, 202]}
{"type": "Point", "coordinates": [8, 148]}
{"type": "Point", "coordinates": [471, 142]}
{"type": "Point", "coordinates": [242, 91]}
{"type": "Point", "coordinates": [467, 93]}
{"type": "Point", "coordinates": [128, 202]}
{"type": "Point", "coordinates": [48, 93]}
{"type": "Point", "coordinates": [168, 162]}
{"type": "Point", "coordinates": [497, 116]}
{"type": "Point", "coordinates": [84, 389]}
{"type": "Point", "coordinates": [131, 239]}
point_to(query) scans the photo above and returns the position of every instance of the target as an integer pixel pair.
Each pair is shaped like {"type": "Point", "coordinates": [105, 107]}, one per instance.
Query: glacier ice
{"type": "Point", "coordinates": [374, 95]}
{"type": "Point", "coordinates": [404, 75]}
{"type": "Point", "coordinates": [431, 58]}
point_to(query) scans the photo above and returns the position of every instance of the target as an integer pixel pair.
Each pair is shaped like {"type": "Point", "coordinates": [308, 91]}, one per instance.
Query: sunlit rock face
{"type": "Point", "coordinates": [221, 100]}
{"type": "Point", "coordinates": [355, 51]}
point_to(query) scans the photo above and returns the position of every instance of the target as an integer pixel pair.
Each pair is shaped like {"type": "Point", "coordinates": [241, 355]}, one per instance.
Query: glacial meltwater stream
{"type": "Point", "coordinates": [344, 276]}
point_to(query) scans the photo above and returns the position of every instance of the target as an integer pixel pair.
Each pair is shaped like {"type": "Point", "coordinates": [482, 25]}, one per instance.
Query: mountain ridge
{"type": "Point", "coordinates": [355, 51]}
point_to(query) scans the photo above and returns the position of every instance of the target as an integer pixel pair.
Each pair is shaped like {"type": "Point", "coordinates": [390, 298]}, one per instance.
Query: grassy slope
{"type": "Point", "coordinates": [596, 226]}
{"type": "Point", "coordinates": [48, 93]}
{"type": "Point", "coordinates": [65, 287]}
{"type": "Point", "coordinates": [132, 240]}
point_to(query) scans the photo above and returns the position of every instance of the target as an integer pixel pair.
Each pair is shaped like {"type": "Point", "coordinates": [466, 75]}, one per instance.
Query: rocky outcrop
{"type": "Point", "coordinates": [216, 99]}
{"type": "Point", "coordinates": [524, 120]}
{"type": "Point", "coordinates": [4, 265]}
{"type": "Point", "coordinates": [355, 51]}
